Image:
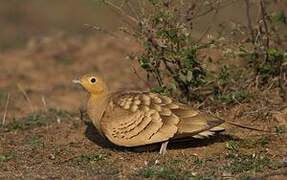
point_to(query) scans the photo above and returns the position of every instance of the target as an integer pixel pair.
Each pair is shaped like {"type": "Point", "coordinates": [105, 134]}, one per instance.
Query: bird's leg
{"type": "Point", "coordinates": [163, 147]}
{"type": "Point", "coordinates": [162, 151]}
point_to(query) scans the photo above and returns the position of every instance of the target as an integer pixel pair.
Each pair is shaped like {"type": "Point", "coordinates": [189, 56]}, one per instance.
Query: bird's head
{"type": "Point", "coordinates": [92, 83]}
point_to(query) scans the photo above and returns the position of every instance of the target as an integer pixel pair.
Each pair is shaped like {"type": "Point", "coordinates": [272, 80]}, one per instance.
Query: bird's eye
{"type": "Point", "coordinates": [93, 80]}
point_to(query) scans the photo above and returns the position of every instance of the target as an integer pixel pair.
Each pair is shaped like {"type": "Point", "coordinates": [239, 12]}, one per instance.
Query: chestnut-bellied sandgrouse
{"type": "Point", "coordinates": [137, 118]}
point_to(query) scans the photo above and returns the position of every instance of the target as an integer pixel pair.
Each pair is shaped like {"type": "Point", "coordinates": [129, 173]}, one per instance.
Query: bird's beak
{"type": "Point", "coordinates": [76, 81]}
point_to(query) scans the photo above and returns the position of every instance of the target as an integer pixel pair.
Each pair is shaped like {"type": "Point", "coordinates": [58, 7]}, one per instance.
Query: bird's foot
{"type": "Point", "coordinates": [163, 147]}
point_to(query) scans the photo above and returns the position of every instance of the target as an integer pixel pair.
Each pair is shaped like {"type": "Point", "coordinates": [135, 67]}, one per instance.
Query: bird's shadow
{"type": "Point", "coordinates": [93, 135]}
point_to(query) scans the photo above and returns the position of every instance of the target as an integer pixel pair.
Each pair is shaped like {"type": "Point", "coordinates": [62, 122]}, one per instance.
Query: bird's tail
{"type": "Point", "coordinates": [198, 125]}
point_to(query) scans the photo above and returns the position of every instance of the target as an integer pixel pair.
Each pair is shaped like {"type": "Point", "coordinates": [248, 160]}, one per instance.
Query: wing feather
{"type": "Point", "coordinates": [140, 118]}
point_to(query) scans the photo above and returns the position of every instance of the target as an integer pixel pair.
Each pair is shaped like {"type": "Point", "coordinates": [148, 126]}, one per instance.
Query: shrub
{"type": "Point", "coordinates": [170, 54]}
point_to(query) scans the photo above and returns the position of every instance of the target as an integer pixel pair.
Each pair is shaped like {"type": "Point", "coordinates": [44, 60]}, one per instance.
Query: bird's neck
{"type": "Point", "coordinates": [97, 104]}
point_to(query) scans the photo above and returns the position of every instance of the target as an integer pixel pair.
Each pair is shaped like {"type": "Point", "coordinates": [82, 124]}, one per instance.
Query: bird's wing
{"type": "Point", "coordinates": [140, 118]}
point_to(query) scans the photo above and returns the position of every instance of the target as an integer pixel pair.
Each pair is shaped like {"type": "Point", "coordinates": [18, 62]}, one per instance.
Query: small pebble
{"type": "Point", "coordinates": [226, 174]}
{"type": "Point", "coordinates": [52, 157]}
{"type": "Point", "coordinates": [58, 120]}
{"type": "Point", "coordinates": [194, 173]}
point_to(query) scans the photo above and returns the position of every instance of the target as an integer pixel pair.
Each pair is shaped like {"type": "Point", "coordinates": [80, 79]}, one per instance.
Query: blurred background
{"type": "Point", "coordinates": [24, 20]}
{"type": "Point", "coordinates": [27, 19]}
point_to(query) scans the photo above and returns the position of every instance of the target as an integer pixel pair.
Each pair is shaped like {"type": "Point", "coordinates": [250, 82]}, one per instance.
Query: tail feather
{"type": "Point", "coordinates": [199, 123]}
{"type": "Point", "coordinates": [206, 133]}
{"type": "Point", "coordinates": [217, 129]}
{"type": "Point", "coordinates": [196, 124]}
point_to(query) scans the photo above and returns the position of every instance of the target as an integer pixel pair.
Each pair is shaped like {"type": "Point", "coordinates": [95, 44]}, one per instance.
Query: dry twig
{"type": "Point", "coordinates": [20, 87]}
{"type": "Point", "coordinates": [100, 29]}
{"type": "Point", "coordinates": [44, 103]}
{"type": "Point", "coordinates": [6, 109]}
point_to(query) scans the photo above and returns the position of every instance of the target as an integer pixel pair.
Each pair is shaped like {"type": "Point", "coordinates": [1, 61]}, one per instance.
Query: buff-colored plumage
{"type": "Point", "coordinates": [135, 118]}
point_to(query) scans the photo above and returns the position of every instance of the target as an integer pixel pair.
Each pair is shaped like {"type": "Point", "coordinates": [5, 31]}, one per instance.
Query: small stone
{"type": "Point", "coordinates": [194, 173]}
{"type": "Point", "coordinates": [58, 120]}
{"type": "Point", "coordinates": [52, 157]}
{"type": "Point", "coordinates": [226, 174]}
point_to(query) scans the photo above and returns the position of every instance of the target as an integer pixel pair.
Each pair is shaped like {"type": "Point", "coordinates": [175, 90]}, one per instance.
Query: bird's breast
{"type": "Point", "coordinates": [96, 108]}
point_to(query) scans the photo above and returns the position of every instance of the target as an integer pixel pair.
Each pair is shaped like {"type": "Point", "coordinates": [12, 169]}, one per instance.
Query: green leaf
{"type": "Point", "coordinates": [172, 34]}
{"type": "Point", "coordinates": [159, 90]}
{"type": "Point", "coordinates": [236, 96]}
{"type": "Point", "coordinates": [172, 87]}
{"type": "Point", "coordinates": [182, 77]}
{"type": "Point", "coordinates": [275, 55]}
{"type": "Point", "coordinates": [265, 69]}
{"type": "Point", "coordinates": [232, 145]}
{"type": "Point", "coordinates": [145, 63]}
{"type": "Point", "coordinates": [280, 17]}
{"type": "Point", "coordinates": [153, 2]}
{"type": "Point", "coordinates": [189, 76]}
{"type": "Point", "coordinates": [164, 16]}
{"type": "Point", "coordinates": [190, 58]}
{"type": "Point", "coordinates": [280, 129]}
{"type": "Point", "coordinates": [224, 75]}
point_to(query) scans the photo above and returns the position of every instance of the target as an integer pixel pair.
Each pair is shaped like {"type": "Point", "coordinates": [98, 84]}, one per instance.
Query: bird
{"type": "Point", "coordinates": [134, 118]}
